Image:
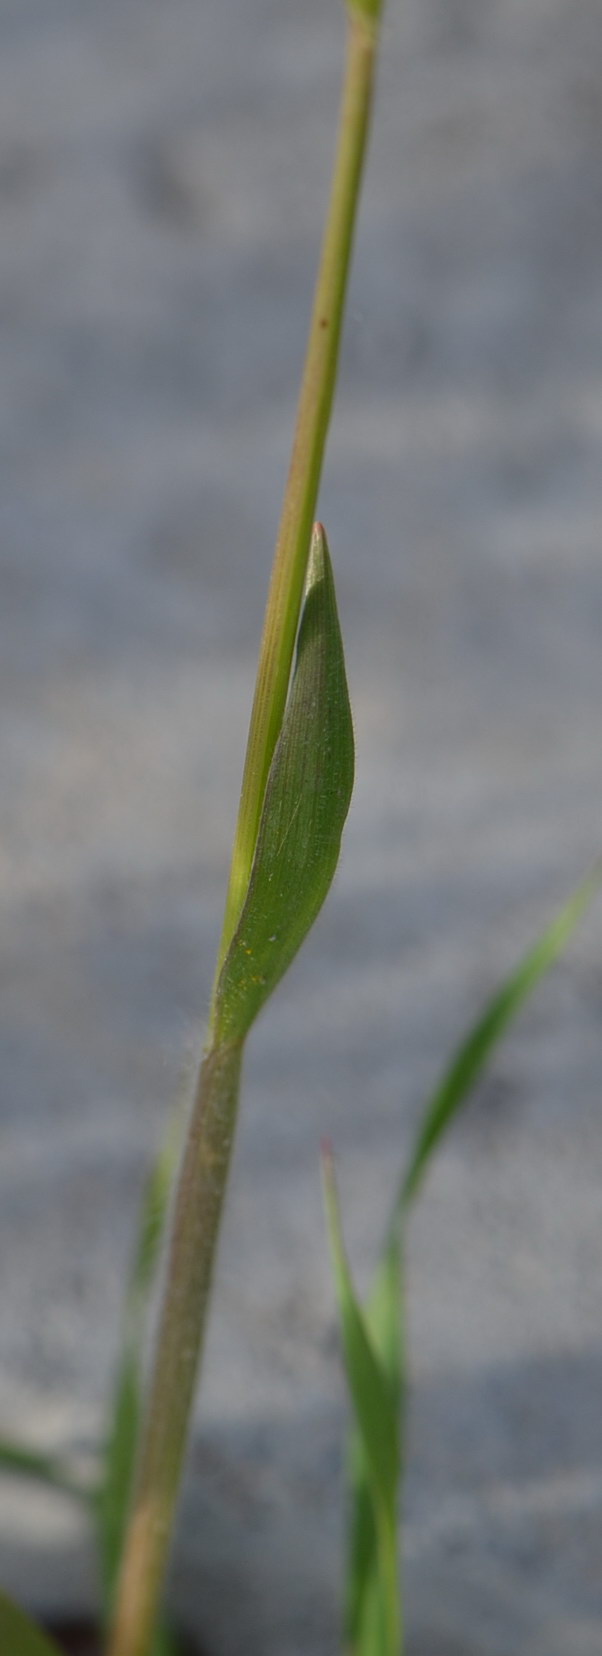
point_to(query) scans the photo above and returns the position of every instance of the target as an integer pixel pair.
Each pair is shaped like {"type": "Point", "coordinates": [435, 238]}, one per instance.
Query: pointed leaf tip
{"type": "Point", "coordinates": [305, 805]}
{"type": "Point", "coordinates": [478, 1046]}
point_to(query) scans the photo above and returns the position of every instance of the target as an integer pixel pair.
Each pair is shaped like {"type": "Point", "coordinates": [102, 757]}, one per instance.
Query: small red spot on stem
{"type": "Point", "coordinates": [323, 321]}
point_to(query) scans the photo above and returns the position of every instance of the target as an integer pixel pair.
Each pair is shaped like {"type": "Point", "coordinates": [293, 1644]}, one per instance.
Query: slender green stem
{"type": "Point", "coordinates": [197, 1214]}
{"type": "Point", "coordinates": [204, 1173]}
{"type": "Point", "coordinates": [313, 416]}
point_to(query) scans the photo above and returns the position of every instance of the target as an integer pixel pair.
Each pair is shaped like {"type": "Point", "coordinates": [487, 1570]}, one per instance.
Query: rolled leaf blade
{"type": "Point", "coordinates": [305, 805]}
{"type": "Point", "coordinates": [19, 1636]}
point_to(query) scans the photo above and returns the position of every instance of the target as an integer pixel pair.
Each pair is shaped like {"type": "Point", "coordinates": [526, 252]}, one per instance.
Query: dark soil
{"type": "Point", "coordinates": [78, 1636]}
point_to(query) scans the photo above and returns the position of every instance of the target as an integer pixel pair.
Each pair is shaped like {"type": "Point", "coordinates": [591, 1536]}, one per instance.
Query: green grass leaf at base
{"type": "Point", "coordinates": [374, 1453]}
{"type": "Point", "coordinates": [384, 1310]}
{"type": "Point", "coordinates": [19, 1636]}
{"type": "Point", "coordinates": [384, 1323]}
{"type": "Point", "coordinates": [121, 1441]}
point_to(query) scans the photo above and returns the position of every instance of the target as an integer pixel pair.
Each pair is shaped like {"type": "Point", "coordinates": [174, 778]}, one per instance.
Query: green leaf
{"type": "Point", "coordinates": [17, 1460]}
{"type": "Point", "coordinates": [19, 1636]}
{"type": "Point", "coordinates": [163, 1643]}
{"type": "Point", "coordinates": [376, 1439]}
{"type": "Point", "coordinates": [384, 1312]}
{"type": "Point", "coordinates": [475, 1051]}
{"type": "Point", "coordinates": [121, 1443]}
{"type": "Point", "coordinates": [383, 1315]}
{"type": "Point", "coordinates": [305, 805]}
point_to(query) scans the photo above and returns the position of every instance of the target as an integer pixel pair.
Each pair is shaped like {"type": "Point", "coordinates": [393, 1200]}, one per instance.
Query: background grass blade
{"type": "Point", "coordinates": [305, 805]}
{"type": "Point", "coordinates": [363, 1618]}
{"type": "Point", "coordinates": [476, 1050]}
{"type": "Point", "coordinates": [121, 1442]}
{"type": "Point", "coordinates": [376, 1441]}
{"type": "Point", "coordinates": [19, 1636]}
{"type": "Point", "coordinates": [19, 1461]}
{"type": "Point", "coordinates": [384, 1311]}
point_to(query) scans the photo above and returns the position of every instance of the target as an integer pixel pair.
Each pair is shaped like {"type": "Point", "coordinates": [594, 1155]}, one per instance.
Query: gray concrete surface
{"type": "Point", "coordinates": [162, 175]}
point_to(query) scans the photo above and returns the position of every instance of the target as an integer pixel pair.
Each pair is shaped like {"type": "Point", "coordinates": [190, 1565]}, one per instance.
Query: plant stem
{"type": "Point", "coordinates": [313, 417]}
{"type": "Point", "coordinates": [204, 1173]}
{"type": "Point", "coordinates": [197, 1213]}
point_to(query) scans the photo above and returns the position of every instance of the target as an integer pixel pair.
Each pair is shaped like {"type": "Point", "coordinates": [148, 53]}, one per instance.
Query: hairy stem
{"type": "Point", "coordinates": [198, 1206]}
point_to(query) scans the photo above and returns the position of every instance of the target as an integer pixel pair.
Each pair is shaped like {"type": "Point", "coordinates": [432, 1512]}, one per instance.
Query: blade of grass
{"type": "Point", "coordinates": [377, 1430]}
{"type": "Point", "coordinates": [384, 1308]}
{"type": "Point", "coordinates": [17, 1460]}
{"type": "Point", "coordinates": [477, 1048]}
{"type": "Point", "coordinates": [19, 1636]}
{"type": "Point", "coordinates": [384, 1320]}
{"type": "Point", "coordinates": [121, 1442]}
{"type": "Point", "coordinates": [163, 1643]}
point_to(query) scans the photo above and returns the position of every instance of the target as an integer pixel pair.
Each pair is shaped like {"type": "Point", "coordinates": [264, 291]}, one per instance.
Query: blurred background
{"type": "Point", "coordinates": [163, 172]}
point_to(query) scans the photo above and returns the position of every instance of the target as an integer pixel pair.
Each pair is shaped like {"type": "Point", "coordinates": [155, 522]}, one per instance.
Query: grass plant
{"type": "Point", "coordinates": [296, 789]}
